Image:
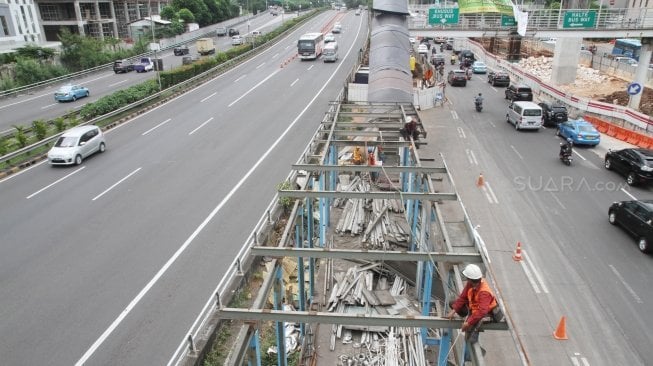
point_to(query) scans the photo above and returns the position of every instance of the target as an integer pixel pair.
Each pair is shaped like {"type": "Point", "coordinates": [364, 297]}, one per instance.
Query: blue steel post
{"type": "Point", "coordinates": [334, 181]}
{"type": "Point", "coordinates": [323, 205]}
{"type": "Point", "coordinates": [255, 345]}
{"type": "Point", "coordinates": [300, 276]}
{"type": "Point", "coordinates": [311, 261]}
{"type": "Point", "coordinates": [427, 277]}
{"type": "Point", "coordinates": [281, 338]}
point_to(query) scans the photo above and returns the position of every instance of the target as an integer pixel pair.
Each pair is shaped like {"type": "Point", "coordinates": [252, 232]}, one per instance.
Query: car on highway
{"type": "Point", "coordinates": [221, 31]}
{"type": "Point", "coordinates": [457, 77]}
{"type": "Point", "coordinates": [626, 60]}
{"type": "Point", "coordinates": [77, 144]}
{"type": "Point", "coordinates": [357, 12]}
{"type": "Point", "coordinates": [498, 78]}
{"type": "Point", "coordinates": [579, 131]}
{"type": "Point", "coordinates": [636, 218]}
{"type": "Point", "coordinates": [411, 40]}
{"type": "Point", "coordinates": [237, 40]}
{"type": "Point", "coordinates": [479, 67]}
{"type": "Point", "coordinates": [337, 28]}
{"type": "Point", "coordinates": [437, 59]}
{"type": "Point", "coordinates": [232, 32]}
{"type": "Point", "coordinates": [554, 112]}
{"type": "Point", "coordinates": [70, 93]}
{"type": "Point", "coordinates": [423, 49]}
{"type": "Point", "coordinates": [634, 163]}
{"type": "Point", "coordinates": [516, 92]}
{"type": "Point", "coordinates": [181, 50]}
{"type": "Point", "coordinates": [122, 66]}
{"type": "Point", "coordinates": [329, 37]}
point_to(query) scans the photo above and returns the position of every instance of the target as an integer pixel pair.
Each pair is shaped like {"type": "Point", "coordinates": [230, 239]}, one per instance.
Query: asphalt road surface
{"type": "Point", "coordinates": [575, 263]}
{"type": "Point", "coordinates": [109, 262]}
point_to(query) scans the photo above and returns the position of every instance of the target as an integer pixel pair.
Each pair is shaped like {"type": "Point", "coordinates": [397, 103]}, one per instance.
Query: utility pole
{"type": "Point", "coordinates": [156, 59]}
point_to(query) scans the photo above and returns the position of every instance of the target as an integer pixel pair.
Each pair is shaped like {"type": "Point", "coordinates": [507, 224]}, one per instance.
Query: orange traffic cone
{"type": "Point", "coordinates": [480, 182]}
{"type": "Point", "coordinates": [561, 331]}
{"type": "Point", "coordinates": [517, 255]}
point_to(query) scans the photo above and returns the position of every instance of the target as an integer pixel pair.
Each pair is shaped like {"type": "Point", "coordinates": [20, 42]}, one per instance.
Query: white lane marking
{"type": "Point", "coordinates": [200, 126]}
{"type": "Point", "coordinates": [261, 65]}
{"type": "Point", "coordinates": [557, 200]}
{"type": "Point", "coordinates": [454, 115]}
{"type": "Point", "coordinates": [574, 361]}
{"type": "Point", "coordinates": [583, 360]}
{"type": "Point", "coordinates": [527, 271]}
{"type": "Point", "coordinates": [471, 157]}
{"type": "Point", "coordinates": [48, 106]}
{"type": "Point", "coordinates": [115, 184]}
{"type": "Point", "coordinates": [535, 272]}
{"type": "Point", "coordinates": [461, 133]}
{"type": "Point", "coordinates": [254, 87]}
{"type": "Point", "coordinates": [155, 127]}
{"type": "Point", "coordinates": [118, 83]}
{"type": "Point", "coordinates": [581, 156]}
{"type": "Point", "coordinates": [275, 55]}
{"type": "Point", "coordinates": [516, 152]}
{"type": "Point", "coordinates": [22, 171]}
{"type": "Point", "coordinates": [287, 47]}
{"type": "Point", "coordinates": [47, 94]}
{"type": "Point", "coordinates": [626, 285]}
{"type": "Point", "coordinates": [310, 67]}
{"type": "Point", "coordinates": [489, 193]}
{"type": "Point", "coordinates": [53, 183]}
{"type": "Point", "coordinates": [293, 83]}
{"type": "Point", "coordinates": [492, 124]}
{"type": "Point", "coordinates": [628, 194]}
{"type": "Point", "coordinates": [211, 300]}
{"type": "Point", "coordinates": [203, 100]}
{"type": "Point", "coordinates": [240, 78]}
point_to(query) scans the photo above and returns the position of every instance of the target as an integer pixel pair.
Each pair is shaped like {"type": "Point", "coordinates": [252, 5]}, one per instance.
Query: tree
{"type": "Point", "coordinates": [168, 12]}
{"type": "Point", "coordinates": [186, 16]}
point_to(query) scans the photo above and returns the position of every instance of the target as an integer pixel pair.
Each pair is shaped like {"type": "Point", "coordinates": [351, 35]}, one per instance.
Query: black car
{"type": "Point", "coordinates": [635, 163]}
{"type": "Point", "coordinates": [635, 217]}
{"type": "Point", "coordinates": [448, 46]}
{"type": "Point", "coordinates": [233, 32]}
{"type": "Point", "coordinates": [457, 77]}
{"type": "Point", "coordinates": [498, 78]}
{"type": "Point", "coordinates": [516, 92]}
{"type": "Point", "coordinates": [437, 59]}
{"type": "Point", "coordinates": [181, 50]}
{"type": "Point", "coordinates": [120, 66]}
{"type": "Point", "coordinates": [553, 113]}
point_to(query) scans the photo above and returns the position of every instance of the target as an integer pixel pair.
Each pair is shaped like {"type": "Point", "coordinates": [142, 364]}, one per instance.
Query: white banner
{"type": "Point", "coordinates": [522, 20]}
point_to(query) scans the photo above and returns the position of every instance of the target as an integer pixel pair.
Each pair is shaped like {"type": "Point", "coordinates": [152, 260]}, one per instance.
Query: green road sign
{"type": "Point", "coordinates": [579, 19]}
{"type": "Point", "coordinates": [508, 21]}
{"type": "Point", "coordinates": [443, 16]}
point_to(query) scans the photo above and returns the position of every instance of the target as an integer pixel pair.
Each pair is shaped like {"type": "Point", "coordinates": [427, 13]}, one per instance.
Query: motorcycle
{"type": "Point", "coordinates": [479, 105]}
{"type": "Point", "coordinates": [453, 61]}
{"type": "Point", "coordinates": [565, 155]}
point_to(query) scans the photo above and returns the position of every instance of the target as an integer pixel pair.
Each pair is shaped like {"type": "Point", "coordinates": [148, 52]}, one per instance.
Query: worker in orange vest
{"type": "Point", "coordinates": [475, 302]}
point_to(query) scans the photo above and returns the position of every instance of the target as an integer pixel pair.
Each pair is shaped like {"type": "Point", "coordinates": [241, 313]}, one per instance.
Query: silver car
{"type": "Point", "coordinates": [77, 144]}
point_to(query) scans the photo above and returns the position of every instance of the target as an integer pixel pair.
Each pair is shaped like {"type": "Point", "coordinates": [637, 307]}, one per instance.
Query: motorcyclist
{"type": "Point", "coordinates": [454, 59]}
{"type": "Point", "coordinates": [566, 148]}
{"type": "Point", "coordinates": [441, 47]}
{"type": "Point", "coordinates": [478, 100]}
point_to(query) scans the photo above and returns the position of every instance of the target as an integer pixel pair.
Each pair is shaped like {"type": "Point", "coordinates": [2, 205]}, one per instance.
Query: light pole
{"type": "Point", "coordinates": [156, 60]}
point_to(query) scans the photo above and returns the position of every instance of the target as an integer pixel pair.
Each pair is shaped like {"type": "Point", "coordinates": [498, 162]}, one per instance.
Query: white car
{"type": "Point", "coordinates": [76, 144]}
{"type": "Point", "coordinates": [337, 28]}
{"type": "Point", "coordinates": [329, 37]}
{"type": "Point", "coordinates": [422, 49]}
{"type": "Point", "coordinates": [411, 40]}
{"type": "Point", "coordinates": [626, 60]}
{"type": "Point", "coordinates": [236, 40]}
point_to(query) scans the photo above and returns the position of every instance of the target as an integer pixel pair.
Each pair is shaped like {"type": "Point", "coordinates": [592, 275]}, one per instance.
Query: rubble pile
{"type": "Point", "coordinates": [541, 67]}
{"type": "Point", "coordinates": [371, 218]}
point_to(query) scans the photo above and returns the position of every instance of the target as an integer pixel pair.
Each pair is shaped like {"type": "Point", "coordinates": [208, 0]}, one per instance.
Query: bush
{"type": "Point", "coordinates": [40, 129]}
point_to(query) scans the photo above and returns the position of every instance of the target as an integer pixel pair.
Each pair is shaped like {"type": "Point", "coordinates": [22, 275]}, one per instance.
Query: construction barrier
{"type": "Point", "coordinates": [623, 134]}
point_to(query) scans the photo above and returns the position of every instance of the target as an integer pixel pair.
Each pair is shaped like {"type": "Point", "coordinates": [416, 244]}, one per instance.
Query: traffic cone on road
{"type": "Point", "coordinates": [561, 330]}
{"type": "Point", "coordinates": [517, 255]}
{"type": "Point", "coordinates": [480, 182]}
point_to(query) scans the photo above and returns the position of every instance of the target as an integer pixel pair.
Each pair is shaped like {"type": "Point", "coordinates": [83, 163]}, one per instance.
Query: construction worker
{"type": "Point", "coordinates": [475, 302]}
{"type": "Point", "coordinates": [358, 157]}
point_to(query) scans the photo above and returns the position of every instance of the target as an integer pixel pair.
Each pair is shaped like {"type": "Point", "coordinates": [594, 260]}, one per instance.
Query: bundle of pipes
{"type": "Point", "coordinates": [402, 346]}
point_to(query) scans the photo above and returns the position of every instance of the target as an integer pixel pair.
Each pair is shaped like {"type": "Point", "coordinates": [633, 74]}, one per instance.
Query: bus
{"type": "Point", "coordinates": [628, 47]}
{"type": "Point", "coordinates": [310, 45]}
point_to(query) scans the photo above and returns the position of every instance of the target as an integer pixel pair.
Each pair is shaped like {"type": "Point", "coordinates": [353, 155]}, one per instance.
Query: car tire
{"type": "Point", "coordinates": [87, 94]}
{"type": "Point", "coordinates": [558, 132]}
{"type": "Point", "coordinates": [78, 159]}
{"type": "Point", "coordinates": [630, 179]}
{"type": "Point", "coordinates": [612, 217]}
{"type": "Point", "coordinates": [102, 148]}
{"type": "Point", "coordinates": [608, 164]}
{"type": "Point", "coordinates": [642, 244]}
{"type": "Point", "coordinates": [516, 126]}
{"type": "Point", "coordinates": [74, 98]}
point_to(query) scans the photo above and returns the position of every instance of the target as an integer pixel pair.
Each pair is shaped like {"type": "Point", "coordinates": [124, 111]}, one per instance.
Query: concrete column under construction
{"type": "Point", "coordinates": [565, 60]}
{"type": "Point", "coordinates": [642, 71]}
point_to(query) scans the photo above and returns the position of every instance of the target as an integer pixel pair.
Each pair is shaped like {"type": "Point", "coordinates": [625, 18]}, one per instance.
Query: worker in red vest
{"type": "Point", "coordinates": [475, 302]}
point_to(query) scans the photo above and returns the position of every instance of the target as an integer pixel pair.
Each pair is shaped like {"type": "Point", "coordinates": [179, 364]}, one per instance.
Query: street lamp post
{"type": "Point", "coordinates": [156, 63]}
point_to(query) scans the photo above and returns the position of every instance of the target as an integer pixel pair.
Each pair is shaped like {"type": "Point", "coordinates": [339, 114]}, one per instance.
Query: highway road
{"type": "Point", "coordinates": [40, 104]}
{"type": "Point", "coordinates": [109, 262]}
{"type": "Point", "coordinates": [575, 263]}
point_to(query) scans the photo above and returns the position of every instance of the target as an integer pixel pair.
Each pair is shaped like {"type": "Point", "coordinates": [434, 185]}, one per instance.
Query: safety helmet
{"type": "Point", "coordinates": [569, 140]}
{"type": "Point", "coordinates": [409, 119]}
{"type": "Point", "coordinates": [479, 94]}
{"type": "Point", "coordinates": [473, 272]}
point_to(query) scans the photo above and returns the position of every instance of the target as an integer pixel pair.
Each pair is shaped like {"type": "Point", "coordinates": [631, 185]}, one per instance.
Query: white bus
{"type": "Point", "coordinates": [310, 45]}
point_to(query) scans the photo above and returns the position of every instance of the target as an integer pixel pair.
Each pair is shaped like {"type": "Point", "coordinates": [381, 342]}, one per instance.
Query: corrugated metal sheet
{"type": "Point", "coordinates": [390, 77]}
{"type": "Point", "coordinates": [391, 6]}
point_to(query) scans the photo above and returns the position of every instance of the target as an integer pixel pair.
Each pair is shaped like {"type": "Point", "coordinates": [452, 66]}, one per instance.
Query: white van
{"type": "Point", "coordinates": [330, 52]}
{"type": "Point", "coordinates": [525, 115]}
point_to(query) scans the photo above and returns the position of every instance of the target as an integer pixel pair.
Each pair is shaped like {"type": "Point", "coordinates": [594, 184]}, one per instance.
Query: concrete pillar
{"type": "Point", "coordinates": [100, 29]}
{"type": "Point", "coordinates": [642, 70]}
{"type": "Point", "coordinates": [114, 21]}
{"type": "Point", "coordinates": [565, 60]}
{"type": "Point", "coordinates": [80, 19]}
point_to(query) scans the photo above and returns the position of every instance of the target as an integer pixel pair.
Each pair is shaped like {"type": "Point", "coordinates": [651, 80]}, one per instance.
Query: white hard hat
{"type": "Point", "coordinates": [409, 119]}
{"type": "Point", "coordinates": [473, 272]}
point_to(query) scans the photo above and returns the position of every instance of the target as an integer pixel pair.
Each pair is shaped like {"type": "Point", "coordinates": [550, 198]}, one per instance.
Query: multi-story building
{"type": "Point", "coordinates": [18, 22]}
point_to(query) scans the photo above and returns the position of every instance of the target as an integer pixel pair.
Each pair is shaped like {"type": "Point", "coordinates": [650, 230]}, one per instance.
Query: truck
{"type": "Point", "coordinates": [144, 65]}
{"type": "Point", "coordinates": [205, 46]}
